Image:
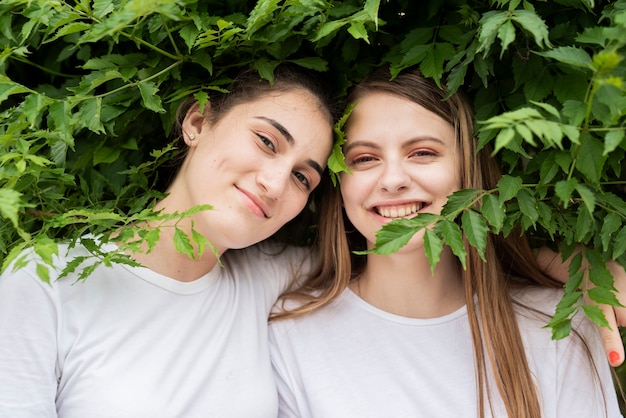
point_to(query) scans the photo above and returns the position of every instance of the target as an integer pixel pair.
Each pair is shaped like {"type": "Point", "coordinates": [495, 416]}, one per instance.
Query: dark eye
{"type": "Point", "coordinates": [423, 153]}
{"type": "Point", "coordinates": [362, 159]}
{"type": "Point", "coordinates": [267, 142]}
{"type": "Point", "coordinates": [302, 179]}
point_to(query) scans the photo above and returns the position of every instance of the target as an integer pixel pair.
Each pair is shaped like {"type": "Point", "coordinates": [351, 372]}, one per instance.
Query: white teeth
{"type": "Point", "coordinates": [398, 211]}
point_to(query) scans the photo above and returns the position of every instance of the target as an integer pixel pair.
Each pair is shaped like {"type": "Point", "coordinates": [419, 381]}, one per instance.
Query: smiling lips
{"type": "Point", "coordinates": [398, 211]}
{"type": "Point", "coordinates": [255, 204]}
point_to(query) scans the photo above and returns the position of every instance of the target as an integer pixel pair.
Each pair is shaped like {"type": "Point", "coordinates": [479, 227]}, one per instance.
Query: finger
{"type": "Point", "coordinates": [611, 339]}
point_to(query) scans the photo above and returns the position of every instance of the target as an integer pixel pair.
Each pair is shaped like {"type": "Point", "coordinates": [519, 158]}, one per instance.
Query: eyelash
{"type": "Point", "coordinates": [267, 142]}
{"type": "Point", "coordinates": [301, 178]}
{"type": "Point", "coordinates": [362, 159]}
{"type": "Point", "coordinates": [369, 158]}
{"type": "Point", "coordinates": [424, 153]}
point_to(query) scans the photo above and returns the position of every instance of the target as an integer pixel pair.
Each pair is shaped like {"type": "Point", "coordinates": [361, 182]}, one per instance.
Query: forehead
{"type": "Point", "coordinates": [383, 116]}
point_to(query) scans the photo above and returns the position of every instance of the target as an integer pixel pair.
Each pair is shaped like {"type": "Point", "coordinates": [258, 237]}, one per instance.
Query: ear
{"type": "Point", "coordinates": [193, 124]}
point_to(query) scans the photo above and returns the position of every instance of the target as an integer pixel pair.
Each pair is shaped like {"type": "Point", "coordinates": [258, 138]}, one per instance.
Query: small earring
{"type": "Point", "coordinates": [192, 137]}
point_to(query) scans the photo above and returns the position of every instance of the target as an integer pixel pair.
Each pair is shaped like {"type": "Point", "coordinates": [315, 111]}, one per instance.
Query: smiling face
{"type": "Point", "coordinates": [404, 161]}
{"type": "Point", "coordinates": [256, 166]}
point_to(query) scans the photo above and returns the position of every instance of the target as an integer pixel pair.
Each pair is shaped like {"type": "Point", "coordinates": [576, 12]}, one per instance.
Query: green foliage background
{"type": "Point", "coordinates": [88, 92]}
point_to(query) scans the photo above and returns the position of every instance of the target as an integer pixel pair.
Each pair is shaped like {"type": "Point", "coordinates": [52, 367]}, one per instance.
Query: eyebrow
{"type": "Point", "coordinates": [289, 138]}
{"type": "Point", "coordinates": [279, 127]}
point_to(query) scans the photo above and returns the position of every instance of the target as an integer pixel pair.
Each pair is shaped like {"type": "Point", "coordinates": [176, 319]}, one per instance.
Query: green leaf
{"type": "Point", "coordinates": [528, 205]}
{"type": "Point", "coordinates": [397, 233]}
{"type": "Point", "coordinates": [590, 159]}
{"type": "Point", "coordinates": [506, 34]}
{"type": "Point", "coordinates": [531, 22]}
{"type": "Point", "coordinates": [89, 114]}
{"type": "Point", "coordinates": [358, 31]}
{"type": "Point", "coordinates": [588, 197]}
{"type": "Point", "coordinates": [106, 155]}
{"type": "Point", "coordinates": [476, 230]}
{"type": "Point", "coordinates": [596, 315]}
{"type": "Point", "coordinates": [46, 248]}
{"type": "Point", "coordinates": [43, 272]}
{"type": "Point", "coordinates": [182, 243]}
{"type": "Point", "coordinates": [8, 88]}
{"type": "Point", "coordinates": [620, 244]}
{"type": "Point", "coordinates": [569, 55]}
{"type": "Point", "coordinates": [336, 161]}
{"type": "Point", "coordinates": [612, 223]}
{"type": "Point", "coordinates": [432, 65]}
{"type": "Point", "coordinates": [433, 247]}
{"type": "Point", "coordinates": [149, 96]}
{"type": "Point", "coordinates": [584, 224]}
{"type": "Point", "coordinates": [458, 201]}
{"type": "Point", "coordinates": [561, 330]}
{"type": "Point", "coordinates": [612, 140]}
{"type": "Point", "coordinates": [200, 240]}
{"type": "Point", "coordinates": [564, 189]}
{"type": "Point", "coordinates": [493, 212]}
{"type": "Point", "coordinates": [312, 63]}
{"type": "Point", "coordinates": [508, 187]}
{"type": "Point", "coordinates": [454, 239]}
{"type": "Point", "coordinates": [10, 205]}
{"type": "Point", "coordinates": [489, 25]}
{"type": "Point", "coordinates": [603, 296]}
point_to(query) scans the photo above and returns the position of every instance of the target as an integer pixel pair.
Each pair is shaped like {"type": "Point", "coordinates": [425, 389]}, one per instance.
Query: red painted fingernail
{"type": "Point", "coordinates": [613, 357]}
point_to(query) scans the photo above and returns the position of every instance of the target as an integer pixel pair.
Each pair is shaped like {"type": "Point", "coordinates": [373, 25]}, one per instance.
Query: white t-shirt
{"type": "Point", "coordinates": [350, 359]}
{"type": "Point", "coordinates": [128, 342]}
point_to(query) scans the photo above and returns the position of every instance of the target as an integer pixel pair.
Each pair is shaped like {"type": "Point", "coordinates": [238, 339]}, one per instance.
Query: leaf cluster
{"type": "Point", "coordinates": [89, 92]}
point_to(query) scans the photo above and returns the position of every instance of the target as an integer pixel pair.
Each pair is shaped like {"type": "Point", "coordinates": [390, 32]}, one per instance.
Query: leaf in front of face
{"type": "Point", "coordinates": [397, 233]}
{"type": "Point", "coordinates": [336, 160]}
{"type": "Point", "coordinates": [459, 201]}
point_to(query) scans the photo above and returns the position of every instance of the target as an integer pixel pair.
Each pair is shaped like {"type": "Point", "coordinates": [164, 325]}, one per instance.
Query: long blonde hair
{"type": "Point", "coordinates": [498, 345]}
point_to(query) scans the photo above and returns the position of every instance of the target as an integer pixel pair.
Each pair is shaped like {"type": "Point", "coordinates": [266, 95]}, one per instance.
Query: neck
{"type": "Point", "coordinates": [403, 284]}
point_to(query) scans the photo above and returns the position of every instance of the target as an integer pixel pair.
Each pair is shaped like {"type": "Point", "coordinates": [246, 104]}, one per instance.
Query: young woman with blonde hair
{"type": "Point", "coordinates": [382, 335]}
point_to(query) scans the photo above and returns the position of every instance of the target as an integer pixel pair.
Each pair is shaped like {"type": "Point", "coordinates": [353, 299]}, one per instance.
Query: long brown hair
{"type": "Point", "coordinates": [497, 341]}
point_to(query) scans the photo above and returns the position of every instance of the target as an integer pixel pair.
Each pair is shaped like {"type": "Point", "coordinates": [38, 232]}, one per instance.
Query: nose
{"type": "Point", "coordinates": [273, 180]}
{"type": "Point", "coordinates": [394, 178]}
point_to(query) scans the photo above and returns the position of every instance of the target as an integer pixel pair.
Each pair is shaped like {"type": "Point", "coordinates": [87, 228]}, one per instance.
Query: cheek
{"type": "Point", "coordinates": [293, 205]}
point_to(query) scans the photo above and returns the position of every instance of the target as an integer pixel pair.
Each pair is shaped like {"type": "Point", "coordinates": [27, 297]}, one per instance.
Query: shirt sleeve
{"type": "Point", "coordinates": [28, 341]}
{"type": "Point", "coordinates": [585, 384]}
